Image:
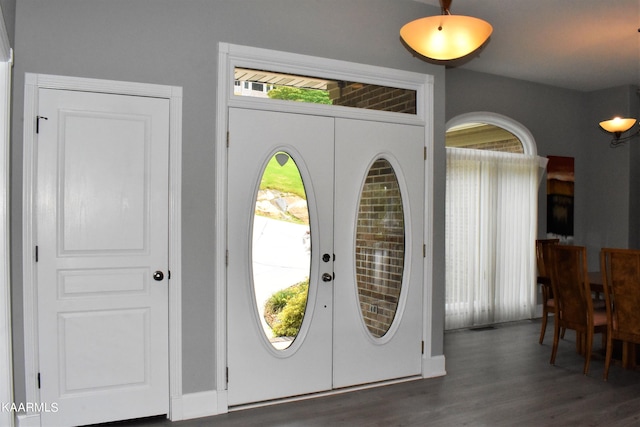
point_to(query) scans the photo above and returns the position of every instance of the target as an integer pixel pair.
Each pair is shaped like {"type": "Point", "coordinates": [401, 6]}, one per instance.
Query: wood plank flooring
{"type": "Point", "coordinates": [495, 377]}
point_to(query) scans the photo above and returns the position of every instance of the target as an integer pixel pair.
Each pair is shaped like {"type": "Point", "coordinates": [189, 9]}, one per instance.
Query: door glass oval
{"type": "Point", "coordinates": [281, 251]}
{"type": "Point", "coordinates": [380, 248]}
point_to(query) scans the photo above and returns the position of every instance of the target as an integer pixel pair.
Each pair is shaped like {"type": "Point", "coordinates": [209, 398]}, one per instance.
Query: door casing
{"type": "Point", "coordinates": [34, 82]}
{"type": "Point", "coordinates": [231, 56]}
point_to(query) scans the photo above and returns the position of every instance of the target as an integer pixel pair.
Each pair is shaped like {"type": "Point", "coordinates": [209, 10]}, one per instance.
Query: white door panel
{"type": "Point", "coordinates": [102, 231]}
{"type": "Point", "coordinates": [258, 371]}
{"type": "Point", "coordinates": [359, 357]}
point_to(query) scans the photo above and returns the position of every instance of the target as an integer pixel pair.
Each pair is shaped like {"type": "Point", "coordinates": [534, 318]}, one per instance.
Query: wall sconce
{"type": "Point", "coordinates": [617, 126]}
{"type": "Point", "coordinates": [445, 37]}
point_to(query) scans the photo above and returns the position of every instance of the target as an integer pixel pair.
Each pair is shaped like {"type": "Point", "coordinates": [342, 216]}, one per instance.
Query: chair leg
{"type": "Point", "coordinates": [607, 359]}
{"type": "Point", "coordinates": [556, 336]}
{"type": "Point", "coordinates": [587, 351]}
{"type": "Point", "coordinates": [562, 332]}
{"type": "Point", "coordinates": [580, 343]}
{"type": "Point", "coordinates": [543, 328]}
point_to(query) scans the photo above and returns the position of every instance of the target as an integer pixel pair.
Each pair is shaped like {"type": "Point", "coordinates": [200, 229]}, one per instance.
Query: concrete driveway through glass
{"type": "Point", "coordinates": [281, 258]}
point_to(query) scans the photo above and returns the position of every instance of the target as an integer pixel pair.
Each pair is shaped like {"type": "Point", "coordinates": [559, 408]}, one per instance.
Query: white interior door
{"type": "Point", "coordinates": [335, 347]}
{"type": "Point", "coordinates": [102, 256]}
{"type": "Point", "coordinates": [379, 195]}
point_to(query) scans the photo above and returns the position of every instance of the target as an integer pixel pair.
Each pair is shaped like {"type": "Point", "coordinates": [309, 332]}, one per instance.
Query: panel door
{"type": "Point", "coordinates": [379, 198]}
{"type": "Point", "coordinates": [259, 367]}
{"type": "Point", "coordinates": [102, 256]}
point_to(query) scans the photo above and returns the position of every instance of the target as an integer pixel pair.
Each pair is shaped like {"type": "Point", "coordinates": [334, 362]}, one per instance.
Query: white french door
{"type": "Point", "coordinates": [343, 339]}
{"type": "Point", "coordinates": [359, 356]}
{"type": "Point", "coordinates": [102, 256]}
{"type": "Point", "coordinates": [257, 370]}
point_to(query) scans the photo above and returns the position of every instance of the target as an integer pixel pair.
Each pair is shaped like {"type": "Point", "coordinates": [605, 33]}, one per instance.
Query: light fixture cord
{"type": "Point", "coordinates": [445, 5]}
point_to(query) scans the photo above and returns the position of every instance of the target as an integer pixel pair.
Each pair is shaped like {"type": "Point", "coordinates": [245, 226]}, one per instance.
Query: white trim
{"type": "Point", "coordinates": [435, 366]}
{"type": "Point", "coordinates": [175, 249]}
{"type": "Point", "coordinates": [28, 420]}
{"type": "Point", "coordinates": [427, 297]}
{"type": "Point", "coordinates": [220, 226]}
{"type": "Point", "coordinates": [231, 56]}
{"type": "Point", "coordinates": [33, 82]}
{"type": "Point", "coordinates": [507, 123]}
{"type": "Point", "coordinates": [6, 365]}
{"type": "Point", "coordinates": [202, 404]}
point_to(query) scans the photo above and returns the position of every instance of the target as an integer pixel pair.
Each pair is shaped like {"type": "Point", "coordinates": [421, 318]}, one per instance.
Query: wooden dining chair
{"type": "Point", "coordinates": [620, 270]}
{"type": "Point", "coordinates": [543, 252]}
{"type": "Point", "coordinates": [574, 306]}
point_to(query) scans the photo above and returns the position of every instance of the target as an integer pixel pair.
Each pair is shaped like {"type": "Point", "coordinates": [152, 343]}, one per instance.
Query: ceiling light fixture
{"type": "Point", "coordinates": [445, 37]}
{"type": "Point", "coordinates": [617, 126]}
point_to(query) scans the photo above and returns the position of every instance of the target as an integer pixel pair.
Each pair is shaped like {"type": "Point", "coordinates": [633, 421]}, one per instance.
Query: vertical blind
{"type": "Point", "coordinates": [491, 219]}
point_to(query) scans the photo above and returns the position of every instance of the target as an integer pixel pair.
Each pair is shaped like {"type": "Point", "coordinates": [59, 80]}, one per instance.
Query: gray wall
{"type": "Point", "coordinates": [9, 15]}
{"type": "Point", "coordinates": [610, 222]}
{"type": "Point", "coordinates": [565, 123]}
{"type": "Point", "coordinates": [174, 42]}
{"type": "Point", "coordinates": [634, 178]}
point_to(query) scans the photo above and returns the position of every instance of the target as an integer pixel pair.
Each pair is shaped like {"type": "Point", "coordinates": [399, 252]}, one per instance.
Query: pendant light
{"type": "Point", "coordinates": [445, 37]}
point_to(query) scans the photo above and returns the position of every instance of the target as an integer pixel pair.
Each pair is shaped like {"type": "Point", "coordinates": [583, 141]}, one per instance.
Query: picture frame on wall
{"type": "Point", "coordinates": [560, 198]}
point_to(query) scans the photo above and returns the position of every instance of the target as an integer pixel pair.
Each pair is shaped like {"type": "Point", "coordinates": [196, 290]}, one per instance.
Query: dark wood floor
{"type": "Point", "coordinates": [495, 377]}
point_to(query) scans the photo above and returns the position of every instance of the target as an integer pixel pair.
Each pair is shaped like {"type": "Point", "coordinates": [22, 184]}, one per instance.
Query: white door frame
{"type": "Point", "coordinates": [34, 82]}
{"type": "Point", "coordinates": [6, 365]}
{"type": "Point", "coordinates": [230, 56]}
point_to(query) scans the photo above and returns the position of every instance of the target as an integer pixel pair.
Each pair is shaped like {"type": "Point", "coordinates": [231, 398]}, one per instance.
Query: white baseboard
{"type": "Point", "coordinates": [193, 405]}
{"type": "Point", "coordinates": [28, 420]}
{"type": "Point", "coordinates": [433, 367]}
{"type": "Point", "coordinates": [203, 404]}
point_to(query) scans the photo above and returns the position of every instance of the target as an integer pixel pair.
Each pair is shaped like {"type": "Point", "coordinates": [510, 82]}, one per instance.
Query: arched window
{"type": "Point", "coordinates": [491, 220]}
{"type": "Point", "coordinates": [498, 121]}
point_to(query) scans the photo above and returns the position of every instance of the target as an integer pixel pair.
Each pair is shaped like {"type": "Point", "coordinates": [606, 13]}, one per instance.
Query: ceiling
{"type": "Point", "coordinates": [583, 45]}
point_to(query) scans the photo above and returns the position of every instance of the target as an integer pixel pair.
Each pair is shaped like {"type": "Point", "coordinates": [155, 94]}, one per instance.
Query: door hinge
{"type": "Point", "coordinates": [38, 380]}
{"type": "Point", "coordinates": [424, 251]}
{"type": "Point", "coordinates": [227, 374]}
{"type": "Point", "coordinates": [227, 139]}
{"type": "Point", "coordinates": [226, 258]}
{"type": "Point", "coordinates": [425, 153]}
{"type": "Point", "coordinates": [422, 349]}
{"type": "Point", "coordinates": [36, 254]}
{"type": "Point", "coordinates": [38, 122]}
{"type": "Point", "coordinates": [168, 274]}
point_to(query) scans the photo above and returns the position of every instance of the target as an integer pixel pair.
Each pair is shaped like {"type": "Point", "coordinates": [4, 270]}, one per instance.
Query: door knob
{"type": "Point", "coordinates": [326, 277]}
{"type": "Point", "coordinates": [326, 257]}
{"type": "Point", "coordinates": [158, 275]}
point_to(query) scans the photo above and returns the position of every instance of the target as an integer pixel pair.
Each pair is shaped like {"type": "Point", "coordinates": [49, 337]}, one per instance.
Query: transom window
{"type": "Point", "coordinates": [274, 85]}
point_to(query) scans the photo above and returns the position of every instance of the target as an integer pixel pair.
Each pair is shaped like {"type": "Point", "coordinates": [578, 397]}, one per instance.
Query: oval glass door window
{"type": "Point", "coordinates": [380, 249]}
{"type": "Point", "coordinates": [281, 251]}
